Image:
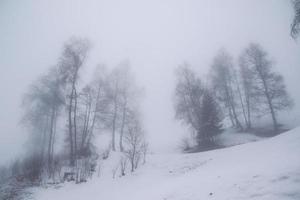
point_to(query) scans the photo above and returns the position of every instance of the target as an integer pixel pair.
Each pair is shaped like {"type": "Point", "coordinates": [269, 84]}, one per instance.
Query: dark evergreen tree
{"type": "Point", "coordinates": [211, 120]}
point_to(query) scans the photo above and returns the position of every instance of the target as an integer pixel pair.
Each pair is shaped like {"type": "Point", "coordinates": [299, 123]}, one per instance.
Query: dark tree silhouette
{"type": "Point", "coordinates": [269, 86]}
{"type": "Point", "coordinates": [295, 26]}
{"type": "Point", "coordinates": [211, 119]}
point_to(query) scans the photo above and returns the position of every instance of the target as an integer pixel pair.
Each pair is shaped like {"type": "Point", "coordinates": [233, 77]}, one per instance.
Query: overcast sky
{"type": "Point", "coordinates": [155, 35]}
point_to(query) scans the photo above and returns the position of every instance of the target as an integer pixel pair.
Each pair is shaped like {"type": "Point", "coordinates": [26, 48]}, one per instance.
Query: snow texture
{"type": "Point", "coordinates": [264, 170]}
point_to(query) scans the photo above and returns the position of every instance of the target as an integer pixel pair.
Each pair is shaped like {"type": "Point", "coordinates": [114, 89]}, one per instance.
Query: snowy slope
{"type": "Point", "coordinates": [230, 137]}
{"type": "Point", "coordinates": [265, 170]}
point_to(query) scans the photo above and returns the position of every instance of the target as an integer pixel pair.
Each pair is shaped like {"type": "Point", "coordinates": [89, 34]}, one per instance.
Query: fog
{"type": "Point", "coordinates": [155, 36]}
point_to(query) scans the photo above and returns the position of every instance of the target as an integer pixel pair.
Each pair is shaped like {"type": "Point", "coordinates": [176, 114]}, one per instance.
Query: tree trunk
{"type": "Point", "coordinates": [44, 143]}
{"type": "Point", "coordinates": [71, 129]}
{"type": "Point", "coordinates": [242, 104]}
{"type": "Point", "coordinates": [275, 124]}
{"type": "Point", "coordinates": [86, 125]}
{"type": "Point", "coordinates": [114, 123]}
{"type": "Point", "coordinates": [113, 131]}
{"type": "Point", "coordinates": [75, 124]}
{"type": "Point", "coordinates": [91, 130]}
{"type": "Point", "coordinates": [269, 100]}
{"type": "Point", "coordinates": [50, 143]}
{"type": "Point", "coordinates": [249, 124]}
{"type": "Point", "coordinates": [231, 102]}
{"type": "Point", "coordinates": [122, 127]}
{"type": "Point", "coordinates": [231, 116]}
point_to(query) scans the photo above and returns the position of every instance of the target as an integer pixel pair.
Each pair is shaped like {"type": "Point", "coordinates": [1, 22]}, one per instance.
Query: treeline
{"type": "Point", "coordinates": [58, 105]}
{"type": "Point", "coordinates": [234, 93]}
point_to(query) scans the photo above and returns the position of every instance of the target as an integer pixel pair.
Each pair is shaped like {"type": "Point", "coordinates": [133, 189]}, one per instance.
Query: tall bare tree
{"type": "Point", "coordinates": [188, 94]}
{"type": "Point", "coordinates": [222, 76]}
{"type": "Point", "coordinates": [42, 105]}
{"type": "Point", "coordinates": [93, 108]}
{"type": "Point", "coordinates": [134, 142]}
{"type": "Point", "coordinates": [268, 85]}
{"type": "Point", "coordinates": [123, 94]}
{"type": "Point", "coordinates": [114, 95]}
{"type": "Point", "coordinates": [248, 89]}
{"type": "Point", "coordinates": [74, 55]}
{"type": "Point", "coordinates": [129, 101]}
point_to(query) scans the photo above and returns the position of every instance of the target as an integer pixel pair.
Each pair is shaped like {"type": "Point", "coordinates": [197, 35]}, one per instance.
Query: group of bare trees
{"type": "Point", "coordinates": [251, 89]}
{"type": "Point", "coordinates": [42, 105]}
{"type": "Point", "coordinates": [124, 96]}
{"type": "Point", "coordinates": [196, 106]}
{"type": "Point", "coordinates": [58, 106]}
{"type": "Point", "coordinates": [134, 150]}
{"type": "Point", "coordinates": [238, 93]}
{"type": "Point", "coordinates": [71, 61]}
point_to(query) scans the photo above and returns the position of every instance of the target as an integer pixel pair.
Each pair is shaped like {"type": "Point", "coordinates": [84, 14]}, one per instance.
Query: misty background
{"type": "Point", "coordinates": [155, 36]}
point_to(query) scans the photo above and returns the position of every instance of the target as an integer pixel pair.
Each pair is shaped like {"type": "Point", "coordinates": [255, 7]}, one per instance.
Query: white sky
{"type": "Point", "coordinates": [155, 35]}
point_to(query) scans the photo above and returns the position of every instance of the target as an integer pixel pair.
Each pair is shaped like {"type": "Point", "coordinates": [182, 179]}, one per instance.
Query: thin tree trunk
{"type": "Point", "coordinates": [53, 140]}
{"type": "Point", "coordinates": [44, 141]}
{"type": "Point", "coordinates": [71, 129]}
{"type": "Point", "coordinates": [86, 125]}
{"type": "Point", "coordinates": [275, 124]}
{"type": "Point", "coordinates": [91, 130]}
{"type": "Point", "coordinates": [50, 143]}
{"type": "Point", "coordinates": [114, 129]}
{"type": "Point", "coordinates": [75, 124]}
{"type": "Point", "coordinates": [114, 119]}
{"type": "Point", "coordinates": [249, 125]}
{"type": "Point", "coordinates": [242, 103]}
{"type": "Point", "coordinates": [231, 103]}
{"type": "Point", "coordinates": [122, 126]}
{"type": "Point", "coordinates": [269, 100]}
{"type": "Point", "coordinates": [231, 116]}
{"type": "Point", "coordinates": [238, 123]}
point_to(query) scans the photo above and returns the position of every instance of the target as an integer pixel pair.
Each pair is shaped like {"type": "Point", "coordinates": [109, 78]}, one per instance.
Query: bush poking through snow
{"type": "Point", "coordinates": [106, 153]}
{"type": "Point", "coordinates": [144, 149]}
{"type": "Point", "coordinates": [114, 171]}
{"type": "Point", "coordinates": [123, 165]}
{"type": "Point", "coordinates": [135, 143]}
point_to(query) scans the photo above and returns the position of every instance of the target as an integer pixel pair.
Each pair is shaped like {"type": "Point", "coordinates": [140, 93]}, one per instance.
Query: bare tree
{"type": "Point", "coordinates": [269, 85]}
{"type": "Point", "coordinates": [73, 58]}
{"type": "Point", "coordinates": [242, 101]}
{"type": "Point", "coordinates": [250, 95]}
{"type": "Point", "coordinates": [134, 139]}
{"type": "Point", "coordinates": [114, 95]}
{"type": "Point", "coordinates": [92, 110]}
{"type": "Point", "coordinates": [123, 95]}
{"type": "Point", "coordinates": [188, 94]}
{"type": "Point", "coordinates": [222, 75]}
{"type": "Point", "coordinates": [42, 104]}
{"type": "Point", "coordinates": [296, 21]}
{"type": "Point", "coordinates": [101, 102]}
{"type": "Point", "coordinates": [129, 101]}
{"type": "Point", "coordinates": [86, 103]}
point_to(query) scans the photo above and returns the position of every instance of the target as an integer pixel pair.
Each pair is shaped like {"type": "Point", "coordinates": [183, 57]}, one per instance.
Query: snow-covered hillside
{"type": "Point", "coordinates": [267, 169]}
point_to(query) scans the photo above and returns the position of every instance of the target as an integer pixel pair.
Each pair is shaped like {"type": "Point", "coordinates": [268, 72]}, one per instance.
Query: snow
{"type": "Point", "coordinates": [267, 170]}
{"type": "Point", "coordinates": [231, 138]}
